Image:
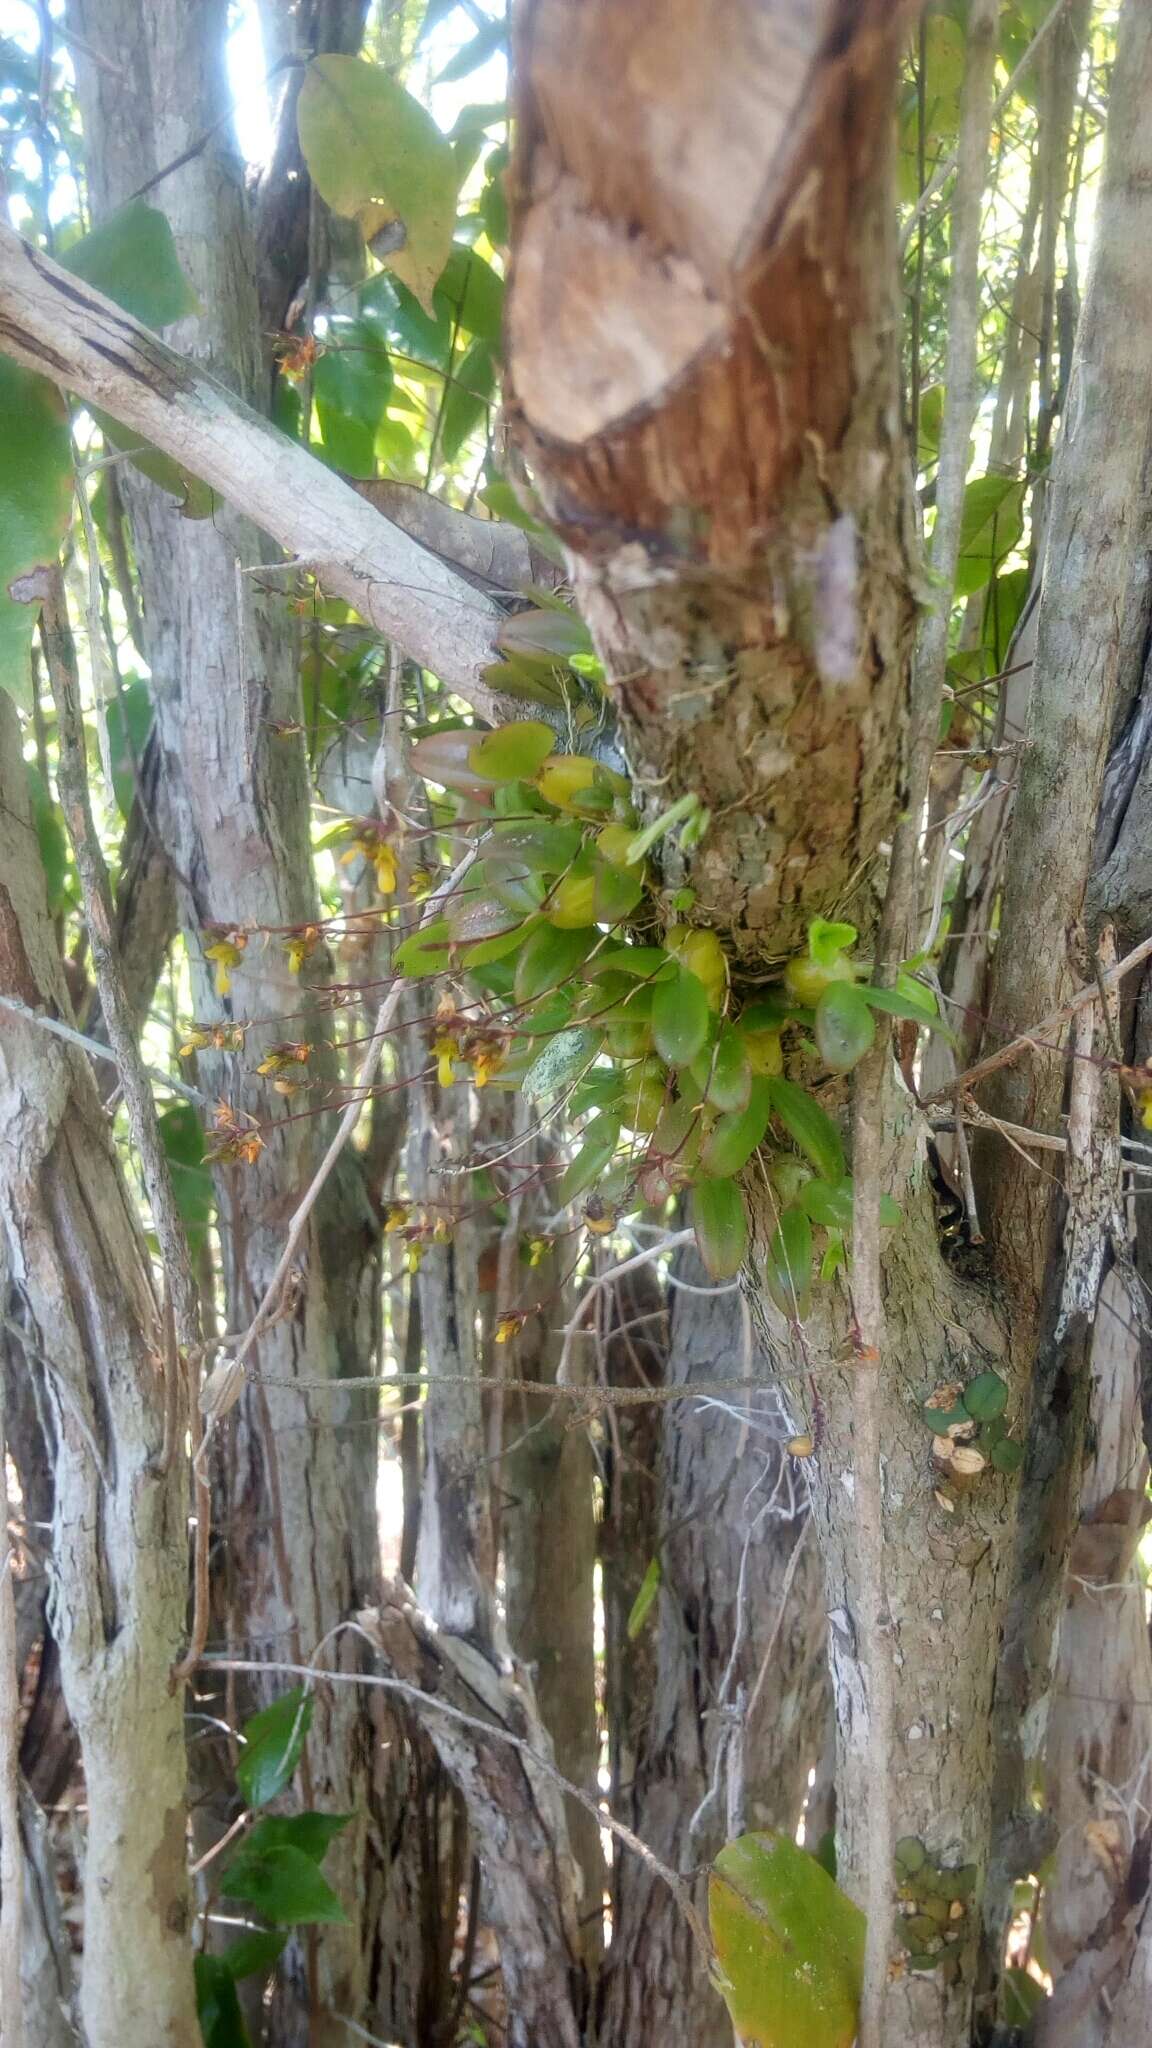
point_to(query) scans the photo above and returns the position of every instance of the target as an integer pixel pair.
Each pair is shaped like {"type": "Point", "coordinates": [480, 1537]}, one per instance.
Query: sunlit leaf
{"type": "Point", "coordinates": [991, 525]}
{"type": "Point", "coordinates": [645, 1599]}
{"type": "Point", "coordinates": [273, 1745]}
{"type": "Point", "coordinates": [351, 387]}
{"type": "Point", "coordinates": [376, 155]}
{"type": "Point", "coordinates": [35, 502]}
{"type": "Point", "coordinates": [513, 752]}
{"type": "Point", "coordinates": [789, 1943]}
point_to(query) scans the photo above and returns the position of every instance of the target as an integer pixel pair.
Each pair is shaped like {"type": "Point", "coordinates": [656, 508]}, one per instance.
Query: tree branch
{"type": "Point", "coordinates": [53, 323]}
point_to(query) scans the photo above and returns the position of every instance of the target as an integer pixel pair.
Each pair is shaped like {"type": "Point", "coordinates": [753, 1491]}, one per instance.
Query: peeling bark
{"type": "Point", "coordinates": [702, 374]}
{"type": "Point", "coordinates": [76, 1260]}
{"type": "Point", "coordinates": [739, 1695]}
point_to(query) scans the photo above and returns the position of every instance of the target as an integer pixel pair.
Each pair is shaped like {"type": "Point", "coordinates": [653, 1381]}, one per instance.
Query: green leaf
{"type": "Point", "coordinates": [549, 957]}
{"type": "Point", "coordinates": [600, 1140]}
{"type": "Point", "coordinates": [473, 293]}
{"type": "Point", "coordinates": [790, 1945]}
{"type": "Point", "coordinates": [182, 1137]}
{"type": "Point", "coordinates": [680, 1017]}
{"type": "Point", "coordinates": [217, 2006]}
{"type": "Point", "coordinates": [720, 1220]}
{"type": "Point", "coordinates": [312, 1833]}
{"type": "Point", "coordinates": [467, 398]}
{"type": "Point", "coordinates": [513, 753]}
{"type": "Point", "coordinates": [931, 419]}
{"type": "Point", "coordinates": [645, 962]}
{"type": "Point", "coordinates": [285, 1885]}
{"type": "Point", "coordinates": [257, 1951]}
{"type": "Point", "coordinates": [991, 524]}
{"type": "Point", "coordinates": [376, 154]}
{"type": "Point", "coordinates": [562, 1061]}
{"type": "Point", "coordinates": [494, 198]}
{"type": "Point", "coordinates": [557, 633]}
{"type": "Point", "coordinates": [986, 1397]}
{"type": "Point", "coordinates": [828, 1207]}
{"type": "Point", "coordinates": [351, 387]}
{"type": "Point", "coordinates": [273, 1745]}
{"type": "Point", "coordinates": [895, 1002]}
{"type": "Point", "coordinates": [645, 1599]}
{"type": "Point", "coordinates": [734, 1137]}
{"type": "Point", "coordinates": [788, 1272]}
{"type": "Point", "coordinates": [52, 841]}
{"type": "Point", "coordinates": [810, 1127]}
{"type": "Point", "coordinates": [129, 717]}
{"type": "Point", "coordinates": [131, 257]}
{"type": "Point", "coordinates": [724, 1072]}
{"type": "Point", "coordinates": [424, 952]}
{"type": "Point", "coordinates": [844, 1027]}
{"type": "Point", "coordinates": [35, 504]}
{"type": "Point", "coordinates": [1007, 1455]}
{"type": "Point", "coordinates": [197, 499]}
{"type": "Point", "coordinates": [827, 941]}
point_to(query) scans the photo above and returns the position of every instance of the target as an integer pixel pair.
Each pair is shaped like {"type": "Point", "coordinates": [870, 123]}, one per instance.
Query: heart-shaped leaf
{"type": "Point", "coordinates": [273, 1745]}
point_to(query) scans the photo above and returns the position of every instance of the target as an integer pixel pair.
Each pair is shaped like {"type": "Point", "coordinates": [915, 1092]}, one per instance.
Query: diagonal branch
{"type": "Point", "coordinates": [54, 323]}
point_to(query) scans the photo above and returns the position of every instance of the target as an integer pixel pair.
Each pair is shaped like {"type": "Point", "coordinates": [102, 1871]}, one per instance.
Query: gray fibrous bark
{"type": "Point", "coordinates": [300, 1544]}
{"type": "Point", "coordinates": [737, 1711]}
{"type": "Point", "coordinates": [77, 1269]}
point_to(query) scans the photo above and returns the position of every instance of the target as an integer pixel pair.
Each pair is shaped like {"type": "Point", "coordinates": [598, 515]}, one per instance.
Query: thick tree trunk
{"type": "Point", "coordinates": [75, 1259]}
{"type": "Point", "coordinates": [737, 1716]}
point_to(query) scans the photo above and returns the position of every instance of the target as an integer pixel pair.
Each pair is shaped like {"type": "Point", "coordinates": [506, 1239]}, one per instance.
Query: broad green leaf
{"type": "Point", "coordinates": [931, 419]}
{"type": "Point", "coordinates": [1003, 606]}
{"type": "Point", "coordinates": [645, 962]}
{"type": "Point", "coordinates": [546, 847]}
{"type": "Point", "coordinates": [35, 503]}
{"type": "Point", "coordinates": [599, 1143]}
{"type": "Point", "coordinates": [351, 387]}
{"type": "Point", "coordinates": [273, 1745]}
{"type": "Point", "coordinates": [1007, 1455]}
{"type": "Point", "coordinates": [615, 892]}
{"type": "Point", "coordinates": [513, 882]}
{"type": "Point", "coordinates": [828, 1207]}
{"type": "Point", "coordinates": [645, 1599]}
{"type": "Point", "coordinates": [720, 1220]}
{"type": "Point", "coordinates": [549, 958]}
{"type": "Point", "coordinates": [734, 1137]}
{"type": "Point", "coordinates": [424, 951]}
{"type": "Point", "coordinates": [376, 155]}
{"type": "Point", "coordinates": [991, 525]}
{"type": "Point", "coordinates": [197, 499]}
{"type": "Point", "coordinates": [562, 1062]}
{"type": "Point", "coordinates": [311, 1832]}
{"type": "Point", "coordinates": [545, 632]}
{"type": "Point", "coordinates": [513, 752]}
{"type": "Point", "coordinates": [724, 1072]}
{"type": "Point", "coordinates": [680, 1017]}
{"type": "Point", "coordinates": [810, 1126]}
{"type": "Point", "coordinates": [471, 389]}
{"type": "Point", "coordinates": [182, 1137]}
{"type": "Point", "coordinates": [474, 294]}
{"type": "Point", "coordinates": [131, 257]}
{"type": "Point", "coordinates": [257, 1951]}
{"type": "Point", "coordinates": [844, 1027]}
{"type": "Point", "coordinates": [494, 198]}
{"type": "Point", "coordinates": [899, 1002]}
{"type": "Point", "coordinates": [443, 757]}
{"type": "Point", "coordinates": [471, 915]}
{"type": "Point", "coordinates": [788, 1271]}
{"type": "Point", "coordinates": [986, 1397]}
{"type": "Point", "coordinates": [285, 1885]}
{"type": "Point", "coordinates": [789, 1943]}
{"type": "Point", "coordinates": [217, 2006]}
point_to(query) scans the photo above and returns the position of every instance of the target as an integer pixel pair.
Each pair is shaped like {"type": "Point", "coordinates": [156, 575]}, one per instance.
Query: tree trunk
{"type": "Point", "coordinates": [75, 1259]}
{"type": "Point", "coordinates": [234, 802]}
{"type": "Point", "coordinates": [737, 1717]}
